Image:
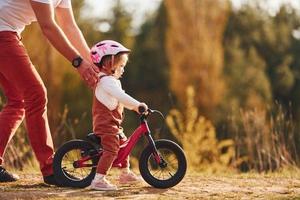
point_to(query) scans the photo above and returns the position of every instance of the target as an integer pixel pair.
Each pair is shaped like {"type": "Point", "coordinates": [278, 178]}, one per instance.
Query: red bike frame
{"type": "Point", "coordinates": [126, 148]}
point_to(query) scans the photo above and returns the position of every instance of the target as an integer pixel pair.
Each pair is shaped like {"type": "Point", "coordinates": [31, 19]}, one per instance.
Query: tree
{"type": "Point", "coordinates": [195, 51]}
{"type": "Point", "coordinates": [149, 61]}
{"type": "Point", "coordinates": [120, 25]}
{"type": "Point", "coordinates": [245, 69]}
{"type": "Point", "coordinates": [262, 62]}
{"type": "Point", "coordinates": [252, 29]}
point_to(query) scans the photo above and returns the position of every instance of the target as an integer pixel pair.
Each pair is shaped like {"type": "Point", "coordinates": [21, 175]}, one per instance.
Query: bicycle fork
{"type": "Point", "coordinates": [156, 155]}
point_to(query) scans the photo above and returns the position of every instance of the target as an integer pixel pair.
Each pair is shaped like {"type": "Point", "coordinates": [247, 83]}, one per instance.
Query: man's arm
{"type": "Point", "coordinates": [66, 21]}
{"type": "Point", "coordinates": [45, 17]}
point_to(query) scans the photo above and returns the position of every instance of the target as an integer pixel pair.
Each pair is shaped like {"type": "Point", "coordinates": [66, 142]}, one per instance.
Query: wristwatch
{"type": "Point", "coordinates": [76, 62]}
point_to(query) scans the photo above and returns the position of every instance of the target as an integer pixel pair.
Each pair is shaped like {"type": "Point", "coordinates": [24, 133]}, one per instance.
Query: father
{"type": "Point", "coordinates": [21, 84]}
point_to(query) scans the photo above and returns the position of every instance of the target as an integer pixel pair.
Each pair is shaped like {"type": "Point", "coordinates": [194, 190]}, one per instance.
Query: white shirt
{"type": "Point", "coordinates": [16, 14]}
{"type": "Point", "coordinates": [109, 92]}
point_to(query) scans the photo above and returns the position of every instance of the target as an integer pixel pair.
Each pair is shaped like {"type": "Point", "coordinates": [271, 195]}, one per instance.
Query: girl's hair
{"type": "Point", "coordinates": [107, 60]}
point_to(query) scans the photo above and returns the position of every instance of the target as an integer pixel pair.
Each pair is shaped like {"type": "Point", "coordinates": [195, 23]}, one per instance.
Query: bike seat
{"type": "Point", "coordinates": [93, 138]}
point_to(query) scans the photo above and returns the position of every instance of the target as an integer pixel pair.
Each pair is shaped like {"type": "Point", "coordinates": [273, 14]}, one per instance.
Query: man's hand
{"type": "Point", "coordinates": [89, 73]}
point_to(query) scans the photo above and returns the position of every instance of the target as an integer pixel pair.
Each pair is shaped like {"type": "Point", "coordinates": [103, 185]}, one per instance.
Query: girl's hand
{"type": "Point", "coordinates": [142, 105]}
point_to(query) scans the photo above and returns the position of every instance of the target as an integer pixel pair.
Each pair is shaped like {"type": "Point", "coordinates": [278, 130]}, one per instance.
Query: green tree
{"type": "Point", "coordinates": [261, 60]}
{"type": "Point", "coordinates": [149, 61]}
{"type": "Point", "coordinates": [120, 25]}
{"type": "Point", "coordinates": [272, 38]}
{"type": "Point", "coordinates": [245, 69]}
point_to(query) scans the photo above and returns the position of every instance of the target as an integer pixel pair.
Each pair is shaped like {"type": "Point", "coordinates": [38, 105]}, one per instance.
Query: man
{"type": "Point", "coordinates": [21, 84]}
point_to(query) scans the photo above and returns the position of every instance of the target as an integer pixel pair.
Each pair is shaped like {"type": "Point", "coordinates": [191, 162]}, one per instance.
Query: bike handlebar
{"type": "Point", "coordinates": [141, 109]}
{"type": "Point", "coordinates": [145, 113]}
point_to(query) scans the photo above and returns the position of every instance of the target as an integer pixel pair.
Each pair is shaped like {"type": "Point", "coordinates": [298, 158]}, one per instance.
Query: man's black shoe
{"type": "Point", "coordinates": [50, 180]}
{"type": "Point", "coordinates": [5, 176]}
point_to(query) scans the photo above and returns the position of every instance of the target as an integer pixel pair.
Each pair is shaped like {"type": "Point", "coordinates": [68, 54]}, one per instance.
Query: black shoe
{"type": "Point", "coordinates": [5, 176]}
{"type": "Point", "coordinates": [50, 180]}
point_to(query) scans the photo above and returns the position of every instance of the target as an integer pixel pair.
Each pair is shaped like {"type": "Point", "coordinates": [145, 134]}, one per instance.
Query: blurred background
{"type": "Point", "coordinates": [226, 74]}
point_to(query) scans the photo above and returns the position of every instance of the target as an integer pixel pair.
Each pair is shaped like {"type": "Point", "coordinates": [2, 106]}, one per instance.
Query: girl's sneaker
{"type": "Point", "coordinates": [102, 184]}
{"type": "Point", "coordinates": [129, 177]}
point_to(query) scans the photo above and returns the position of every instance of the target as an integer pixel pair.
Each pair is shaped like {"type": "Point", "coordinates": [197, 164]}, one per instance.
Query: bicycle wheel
{"type": "Point", "coordinates": [170, 172]}
{"type": "Point", "coordinates": [66, 169]}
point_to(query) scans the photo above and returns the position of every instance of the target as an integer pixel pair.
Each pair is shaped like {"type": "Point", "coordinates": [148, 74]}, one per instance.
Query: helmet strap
{"type": "Point", "coordinates": [112, 64]}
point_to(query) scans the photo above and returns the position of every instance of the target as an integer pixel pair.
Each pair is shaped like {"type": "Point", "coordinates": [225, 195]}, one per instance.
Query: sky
{"type": "Point", "coordinates": [139, 8]}
{"type": "Point", "coordinates": [272, 6]}
{"type": "Point", "coordinates": [142, 8]}
{"type": "Point", "coordinates": [271, 3]}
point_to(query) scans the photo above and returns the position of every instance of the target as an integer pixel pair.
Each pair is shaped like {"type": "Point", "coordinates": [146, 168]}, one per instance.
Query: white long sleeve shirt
{"type": "Point", "coordinates": [109, 92]}
{"type": "Point", "coordinates": [16, 14]}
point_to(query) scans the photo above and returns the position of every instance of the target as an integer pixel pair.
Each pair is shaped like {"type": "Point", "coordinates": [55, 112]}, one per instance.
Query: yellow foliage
{"type": "Point", "coordinates": [195, 51]}
{"type": "Point", "coordinates": [198, 138]}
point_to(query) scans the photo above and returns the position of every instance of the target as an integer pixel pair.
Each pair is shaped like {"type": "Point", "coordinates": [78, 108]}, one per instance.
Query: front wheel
{"type": "Point", "coordinates": [166, 174]}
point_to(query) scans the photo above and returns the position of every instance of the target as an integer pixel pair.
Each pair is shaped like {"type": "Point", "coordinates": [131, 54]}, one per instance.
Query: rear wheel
{"type": "Point", "coordinates": [170, 172]}
{"type": "Point", "coordinates": [67, 170]}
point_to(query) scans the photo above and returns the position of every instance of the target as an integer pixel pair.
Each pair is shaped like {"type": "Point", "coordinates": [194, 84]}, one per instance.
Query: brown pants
{"type": "Point", "coordinates": [111, 145]}
{"type": "Point", "coordinates": [26, 97]}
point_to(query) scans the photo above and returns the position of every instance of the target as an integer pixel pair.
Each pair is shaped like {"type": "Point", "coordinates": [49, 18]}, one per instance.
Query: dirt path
{"type": "Point", "coordinates": [194, 186]}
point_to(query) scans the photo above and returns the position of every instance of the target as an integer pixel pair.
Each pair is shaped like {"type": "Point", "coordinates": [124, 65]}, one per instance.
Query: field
{"type": "Point", "coordinates": [193, 186]}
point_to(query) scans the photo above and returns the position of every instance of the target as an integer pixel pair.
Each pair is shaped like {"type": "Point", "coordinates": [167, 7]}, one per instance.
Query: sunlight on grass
{"type": "Point", "coordinates": [198, 138]}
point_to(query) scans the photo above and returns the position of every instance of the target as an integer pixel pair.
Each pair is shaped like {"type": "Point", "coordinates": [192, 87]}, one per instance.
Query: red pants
{"type": "Point", "coordinates": [26, 97]}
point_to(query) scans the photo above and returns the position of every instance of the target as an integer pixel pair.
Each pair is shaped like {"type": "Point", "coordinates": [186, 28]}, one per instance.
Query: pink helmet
{"type": "Point", "coordinates": [104, 48]}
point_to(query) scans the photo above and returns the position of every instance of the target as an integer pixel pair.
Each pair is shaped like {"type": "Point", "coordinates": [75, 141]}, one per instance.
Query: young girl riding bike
{"type": "Point", "coordinates": [108, 103]}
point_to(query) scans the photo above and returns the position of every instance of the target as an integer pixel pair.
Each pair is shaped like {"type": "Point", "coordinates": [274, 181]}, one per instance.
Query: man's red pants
{"type": "Point", "coordinates": [25, 97]}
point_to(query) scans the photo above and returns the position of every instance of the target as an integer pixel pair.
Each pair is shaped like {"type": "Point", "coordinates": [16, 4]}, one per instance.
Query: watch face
{"type": "Point", "coordinates": [76, 63]}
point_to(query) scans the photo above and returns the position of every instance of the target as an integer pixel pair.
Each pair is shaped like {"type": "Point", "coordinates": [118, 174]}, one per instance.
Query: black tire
{"type": "Point", "coordinates": [65, 173]}
{"type": "Point", "coordinates": [149, 168]}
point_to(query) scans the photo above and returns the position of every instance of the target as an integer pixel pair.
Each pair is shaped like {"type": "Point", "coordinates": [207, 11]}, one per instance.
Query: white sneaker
{"type": "Point", "coordinates": [102, 184]}
{"type": "Point", "coordinates": [129, 177]}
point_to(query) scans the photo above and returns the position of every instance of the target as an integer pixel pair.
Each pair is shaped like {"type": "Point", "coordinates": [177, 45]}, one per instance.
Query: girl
{"type": "Point", "coordinates": [109, 100]}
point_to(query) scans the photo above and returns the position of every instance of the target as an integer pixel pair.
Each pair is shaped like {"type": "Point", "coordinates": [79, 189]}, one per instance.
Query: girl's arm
{"type": "Point", "coordinates": [112, 87]}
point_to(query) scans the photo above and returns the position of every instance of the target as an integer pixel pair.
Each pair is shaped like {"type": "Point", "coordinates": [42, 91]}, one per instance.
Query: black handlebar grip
{"type": "Point", "coordinates": [141, 109]}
